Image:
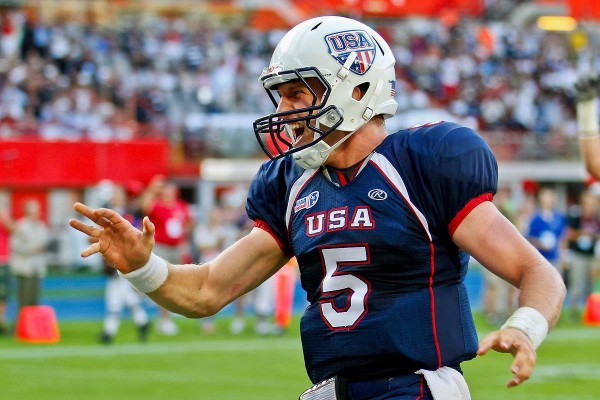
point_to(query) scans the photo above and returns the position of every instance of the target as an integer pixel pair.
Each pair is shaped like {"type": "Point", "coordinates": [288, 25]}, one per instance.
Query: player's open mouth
{"type": "Point", "coordinates": [296, 130]}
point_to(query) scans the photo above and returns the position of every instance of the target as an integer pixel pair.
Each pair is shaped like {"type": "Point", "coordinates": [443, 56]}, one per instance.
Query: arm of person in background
{"type": "Point", "coordinates": [586, 95]}
{"type": "Point", "coordinates": [148, 196]}
{"type": "Point", "coordinates": [191, 290]}
{"type": "Point", "coordinates": [491, 239]}
{"type": "Point", "coordinates": [6, 221]}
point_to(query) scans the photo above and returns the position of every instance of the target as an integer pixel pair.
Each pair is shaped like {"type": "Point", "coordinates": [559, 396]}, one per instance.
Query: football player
{"type": "Point", "coordinates": [382, 226]}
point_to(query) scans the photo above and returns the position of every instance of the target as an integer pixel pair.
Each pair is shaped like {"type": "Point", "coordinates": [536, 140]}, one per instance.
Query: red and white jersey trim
{"type": "Point", "coordinates": [388, 170]}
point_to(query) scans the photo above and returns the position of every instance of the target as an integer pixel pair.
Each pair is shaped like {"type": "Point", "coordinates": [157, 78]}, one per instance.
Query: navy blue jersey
{"type": "Point", "coordinates": [383, 278]}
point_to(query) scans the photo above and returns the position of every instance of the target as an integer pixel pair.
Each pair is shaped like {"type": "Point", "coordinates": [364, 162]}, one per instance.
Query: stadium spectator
{"type": "Point", "coordinates": [380, 224]}
{"type": "Point", "coordinates": [28, 244]}
{"type": "Point", "coordinates": [547, 229]}
{"type": "Point", "coordinates": [261, 301]}
{"type": "Point", "coordinates": [211, 238]}
{"type": "Point", "coordinates": [6, 227]}
{"type": "Point", "coordinates": [238, 323]}
{"type": "Point", "coordinates": [118, 292]}
{"type": "Point", "coordinates": [161, 203]}
{"type": "Point", "coordinates": [583, 234]}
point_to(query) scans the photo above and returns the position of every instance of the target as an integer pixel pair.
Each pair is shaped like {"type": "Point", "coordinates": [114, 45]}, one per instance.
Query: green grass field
{"type": "Point", "coordinates": [196, 366]}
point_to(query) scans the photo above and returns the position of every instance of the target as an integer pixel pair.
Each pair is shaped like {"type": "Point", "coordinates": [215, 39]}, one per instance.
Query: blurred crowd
{"type": "Point", "coordinates": [155, 76]}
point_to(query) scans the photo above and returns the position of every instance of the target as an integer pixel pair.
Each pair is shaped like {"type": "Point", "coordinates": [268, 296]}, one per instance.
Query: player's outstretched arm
{"type": "Point", "coordinates": [489, 237]}
{"type": "Point", "coordinates": [191, 290]}
{"type": "Point", "coordinates": [202, 290]}
{"type": "Point", "coordinates": [586, 96]}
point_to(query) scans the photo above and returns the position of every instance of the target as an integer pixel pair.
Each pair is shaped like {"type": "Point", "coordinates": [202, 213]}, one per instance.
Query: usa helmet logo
{"type": "Point", "coordinates": [342, 44]}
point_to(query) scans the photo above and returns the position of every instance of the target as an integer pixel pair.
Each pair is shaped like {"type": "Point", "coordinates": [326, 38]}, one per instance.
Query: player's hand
{"type": "Point", "coordinates": [515, 342]}
{"type": "Point", "coordinates": [586, 87]}
{"type": "Point", "coordinates": [122, 245]}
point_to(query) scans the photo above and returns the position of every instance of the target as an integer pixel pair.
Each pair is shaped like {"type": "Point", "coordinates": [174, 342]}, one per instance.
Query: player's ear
{"type": "Point", "coordinates": [359, 91]}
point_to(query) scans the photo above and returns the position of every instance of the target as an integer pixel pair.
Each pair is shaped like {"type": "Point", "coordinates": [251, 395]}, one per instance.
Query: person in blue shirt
{"type": "Point", "coordinates": [382, 226]}
{"type": "Point", "coordinates": [548, 227]}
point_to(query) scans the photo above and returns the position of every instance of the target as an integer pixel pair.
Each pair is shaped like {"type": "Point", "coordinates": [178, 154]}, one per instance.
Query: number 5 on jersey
{"type": "Point", "coordinates": [336, 281]}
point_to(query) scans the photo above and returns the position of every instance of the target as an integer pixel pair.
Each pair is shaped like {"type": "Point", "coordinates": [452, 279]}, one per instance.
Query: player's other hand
{"type": "Point", "coordinates": [120, 243]}
{"type": "Point", "coordinates": [515, 342]}
{"type": "Point", "coordinates": [586, 87]}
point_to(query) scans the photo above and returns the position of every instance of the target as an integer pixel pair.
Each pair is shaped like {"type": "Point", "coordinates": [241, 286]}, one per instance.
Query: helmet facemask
{"type": "Point", "coordinates": [275, 132]}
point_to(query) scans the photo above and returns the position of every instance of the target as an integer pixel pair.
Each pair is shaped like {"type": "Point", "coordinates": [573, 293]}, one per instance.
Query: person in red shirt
{"type": "Point", "coordinates": [172, 219]}
{"type": "Point", "coordinates": [6, 227]}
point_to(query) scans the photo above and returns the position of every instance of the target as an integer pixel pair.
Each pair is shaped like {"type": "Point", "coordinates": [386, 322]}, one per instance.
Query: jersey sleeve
{"type": "Point", "coordinates": [266, 206]}
{"type": "Point", "coordinates": [465, 174]}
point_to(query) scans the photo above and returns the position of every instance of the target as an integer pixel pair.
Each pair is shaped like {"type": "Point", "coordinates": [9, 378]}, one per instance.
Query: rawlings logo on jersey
{"type": "Point", "coordinates": [342, 44]}
{"type": "Point", "coordinates": [307, 202]}
{"type": "Point", "coordinates": [377, 194]}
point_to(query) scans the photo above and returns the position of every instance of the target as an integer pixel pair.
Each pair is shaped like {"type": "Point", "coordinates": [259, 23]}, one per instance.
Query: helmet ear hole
{"type": "Point", "coordinates": [360, 91]}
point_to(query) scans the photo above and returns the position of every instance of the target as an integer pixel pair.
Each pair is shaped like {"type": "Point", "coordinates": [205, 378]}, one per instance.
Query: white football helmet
{"type": "Point", "coordinates": [341, 53]}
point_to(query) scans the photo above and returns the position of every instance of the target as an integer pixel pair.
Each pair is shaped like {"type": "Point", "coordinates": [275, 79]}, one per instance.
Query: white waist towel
{"type": "Point", "coordinates": [446, 384]}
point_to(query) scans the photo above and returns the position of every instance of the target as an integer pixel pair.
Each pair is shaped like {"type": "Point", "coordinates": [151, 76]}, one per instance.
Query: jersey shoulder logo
{"type": "Point", "coordinates": [342, 44]}
{"type": "Point", "coordinates": [306, 202]}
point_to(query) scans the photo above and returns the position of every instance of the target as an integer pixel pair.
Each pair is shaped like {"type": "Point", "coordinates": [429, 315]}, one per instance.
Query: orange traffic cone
{"type": "Point", "coordinates": [37, 324]}
{"type": "Point", "coordinates": [285, 280]}
{"type": "Point", "coordinates": [591, 314]}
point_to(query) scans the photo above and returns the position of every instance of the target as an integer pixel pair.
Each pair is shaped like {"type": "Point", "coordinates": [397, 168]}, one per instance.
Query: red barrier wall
{"type": "Point", "coordinates": [36, 163]}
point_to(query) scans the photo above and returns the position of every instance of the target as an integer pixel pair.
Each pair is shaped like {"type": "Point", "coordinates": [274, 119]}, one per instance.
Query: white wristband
{"type": "Point", "coordinates": [530, 321]}
{"type": "Point", "coordinates": [150, 277]}
{"type": "Point", "coordinates": [587, 118]}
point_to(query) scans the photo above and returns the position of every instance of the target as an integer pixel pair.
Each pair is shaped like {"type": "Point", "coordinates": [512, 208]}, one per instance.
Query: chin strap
{"type": "Point", "coordinates": [316, 155]}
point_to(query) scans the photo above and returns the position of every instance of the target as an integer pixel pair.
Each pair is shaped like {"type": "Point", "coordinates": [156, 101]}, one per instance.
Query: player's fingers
{"type": "Point", "coordinates": [84, 210]}
{"type": "Point", "coordinates": [148, 230]}
{"type": "Point", "coordinates": [93, 249]}
{"type": "Point", "coordinates": [107, 217]}
{"type": "Point", "coordinates": [523, 364]}
{"type": "Point", "coordinates": [104, 222]}
{"type": "Point", "coordinates": [85, 228]}
{"type": "Point", "coordinates": [487, 343]}
{"type": "Point", "coordinates": [92, 214]}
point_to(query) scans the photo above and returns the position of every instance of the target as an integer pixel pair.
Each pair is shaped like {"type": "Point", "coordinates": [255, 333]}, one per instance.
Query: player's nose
{"type": "Point", "coordinates": [285, 104]}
